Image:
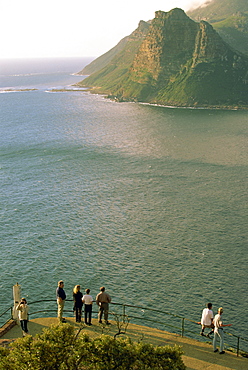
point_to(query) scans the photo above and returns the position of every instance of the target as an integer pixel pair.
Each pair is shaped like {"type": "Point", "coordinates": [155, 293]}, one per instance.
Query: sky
{"type": "Point", "coordinates": [73, 28]}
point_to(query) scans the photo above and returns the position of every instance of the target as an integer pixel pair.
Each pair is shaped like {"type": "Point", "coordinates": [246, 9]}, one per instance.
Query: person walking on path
{"type": "Point", "coordinates": [88, 301]}
{"type": "Point", "coordinates": [61, 296]}
{"type": "Point", "coordinates": [78, 304]}
{"type": "Point", "coordinates": [218, 331]}
{"type": "Point", "coordinates": [207, 319]}
{"type": "Point", "coordinates": [102, 300]}
{"type": "Point", "coordinates": [23, 309]}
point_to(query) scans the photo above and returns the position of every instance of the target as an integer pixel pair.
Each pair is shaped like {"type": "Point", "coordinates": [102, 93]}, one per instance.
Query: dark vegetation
{"type": "Point", "coordinates": [61, 348]}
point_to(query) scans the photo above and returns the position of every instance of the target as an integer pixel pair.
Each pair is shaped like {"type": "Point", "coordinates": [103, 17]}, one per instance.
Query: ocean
{"type": "Point", "coordinates": [149, 201]}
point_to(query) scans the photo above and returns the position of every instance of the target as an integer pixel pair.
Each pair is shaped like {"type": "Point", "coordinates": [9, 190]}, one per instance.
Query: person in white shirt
{"type": "Point", "coordinates": [218, 331]}
{"type": "Point", "coordinates": [88, 301]}
{"type": "Point", "coordinates": [23, 309]}
{"type": "Point", "coordinates": [207, 319]}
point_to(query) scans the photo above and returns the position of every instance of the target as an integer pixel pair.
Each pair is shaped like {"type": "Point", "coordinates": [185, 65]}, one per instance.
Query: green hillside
{"type": "Point", "coordinates": [229, 18]}
{"type": "Point", "coordinates": [217, 10]}
{"type": "Point", "coordinates": [234, 30]}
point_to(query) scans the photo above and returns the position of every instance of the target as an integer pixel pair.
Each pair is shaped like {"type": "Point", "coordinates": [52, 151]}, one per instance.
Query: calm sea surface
{"type": "Point", "coordinates": [149, 201]}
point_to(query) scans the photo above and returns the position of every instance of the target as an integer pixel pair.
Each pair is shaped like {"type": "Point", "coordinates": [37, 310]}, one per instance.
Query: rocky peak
{"type": "Point", "coordinates": [140, 31]}
{"type": "Point", "coordinates": [175, 13]}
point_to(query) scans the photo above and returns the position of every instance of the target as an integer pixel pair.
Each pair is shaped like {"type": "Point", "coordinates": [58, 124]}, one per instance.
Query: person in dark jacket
{"type": "Point", "coordinates": [78, 303]}
{"type": "Point", "coordinates": [61, 296]}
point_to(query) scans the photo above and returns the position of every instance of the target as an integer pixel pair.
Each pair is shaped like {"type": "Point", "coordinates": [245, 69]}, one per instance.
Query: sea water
{"type": "Point", "coordinates": [149, 201]}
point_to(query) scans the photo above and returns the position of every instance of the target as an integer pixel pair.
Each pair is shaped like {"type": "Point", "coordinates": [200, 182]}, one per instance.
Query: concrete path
{"type": "Point", "coordinates": [197, 355]}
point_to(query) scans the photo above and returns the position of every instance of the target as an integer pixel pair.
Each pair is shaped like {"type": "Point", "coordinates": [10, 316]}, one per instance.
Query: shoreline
{"type": "Point", "coordinates": [93, 90]}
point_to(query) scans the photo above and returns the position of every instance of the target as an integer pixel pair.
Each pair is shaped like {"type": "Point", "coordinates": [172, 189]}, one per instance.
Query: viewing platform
{"type": "Point", "coordinates": [197, 355]}
{"type": "Point", "coordinates": [145, 324]}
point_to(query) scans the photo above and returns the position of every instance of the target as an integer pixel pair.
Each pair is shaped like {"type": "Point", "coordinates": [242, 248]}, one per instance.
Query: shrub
{"type": "Point", "coordinates": [59, 348]}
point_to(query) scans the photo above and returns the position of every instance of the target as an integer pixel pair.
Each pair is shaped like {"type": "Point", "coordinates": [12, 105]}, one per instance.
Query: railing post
{"type": "Point", "coordinates": [238, 346]}
{"type": "Point", "coordinates": [124, 310]}
{"type": "Point", "coordinates": [183, 326]}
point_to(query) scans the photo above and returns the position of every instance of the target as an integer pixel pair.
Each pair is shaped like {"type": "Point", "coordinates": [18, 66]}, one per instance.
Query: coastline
{"type": "Point", "coordinates": [93, 90]}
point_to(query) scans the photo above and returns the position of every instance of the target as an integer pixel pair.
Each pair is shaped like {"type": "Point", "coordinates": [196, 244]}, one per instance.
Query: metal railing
{"type": "Point", "coordinates": [146, 316]}
{"type": "Point", "coordinates": [5, 316]}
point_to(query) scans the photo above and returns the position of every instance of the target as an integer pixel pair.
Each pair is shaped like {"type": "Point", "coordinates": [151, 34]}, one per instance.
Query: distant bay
{"type": "Point", "coordinates": [149, 201]}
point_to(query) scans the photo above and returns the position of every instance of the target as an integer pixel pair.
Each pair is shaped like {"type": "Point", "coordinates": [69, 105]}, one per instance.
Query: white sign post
{"type": "Point", "coordinates": [17, 298]}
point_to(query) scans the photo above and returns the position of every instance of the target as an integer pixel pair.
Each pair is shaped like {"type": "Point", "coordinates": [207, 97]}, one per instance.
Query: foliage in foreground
{"type": "Point", "coordinates": [59, 348]}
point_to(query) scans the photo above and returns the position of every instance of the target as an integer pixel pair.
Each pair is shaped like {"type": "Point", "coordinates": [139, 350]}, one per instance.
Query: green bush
{"type": "Point", "coordinates": [60, 348]}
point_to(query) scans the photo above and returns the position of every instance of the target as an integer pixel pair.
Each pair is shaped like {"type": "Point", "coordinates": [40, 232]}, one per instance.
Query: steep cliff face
{"type": "Point", "coordinates": [179, 62]}
{"type": "Point", "coordinates": [208, 45]}
{"type": "Point", "coordinates": [161, 54]}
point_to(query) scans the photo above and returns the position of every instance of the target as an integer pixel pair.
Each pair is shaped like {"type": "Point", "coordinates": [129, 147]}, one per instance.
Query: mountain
{"type": "Point", "coordinates": [178, 62]}
{"type": "Point", "coordinates": [129, 44]}
{"type": "Point", "coordinates": [229, 18]}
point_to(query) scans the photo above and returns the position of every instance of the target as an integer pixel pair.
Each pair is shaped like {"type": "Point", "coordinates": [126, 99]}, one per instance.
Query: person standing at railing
{"type": "Point", "coordinates": [78, 304]}
{"type": "Point", "coordinates": [23, 309]}
{"type": "Point", "coordinates": [61, 296]}
{"type": "Point", "coordinates": [207, 319]}
{"type": "Point", "coordinates": [102, 300]}
{"type": "Point", "coordinates": [88, 301]}
{"type": "Point", "coordinates": [218, 331]}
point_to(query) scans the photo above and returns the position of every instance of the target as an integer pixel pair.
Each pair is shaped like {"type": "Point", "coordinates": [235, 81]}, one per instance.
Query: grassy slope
{"type": "Point", "coordinates": [234, 30]}
{"type": "Point", "coordinates": [104, 59]}
{"type": "Point", "coordinates": [110, 76]}
{"type": "Point", "coordinates": [107, 58]}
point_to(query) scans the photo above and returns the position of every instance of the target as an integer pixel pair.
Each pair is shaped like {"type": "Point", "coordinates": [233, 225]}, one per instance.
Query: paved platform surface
{"type": "Point", "coordinates": [197, 355]}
